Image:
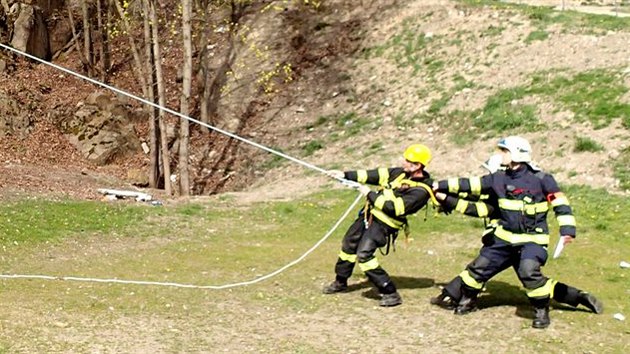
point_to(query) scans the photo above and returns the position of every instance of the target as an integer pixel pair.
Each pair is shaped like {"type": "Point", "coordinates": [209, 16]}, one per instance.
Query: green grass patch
{"type": "Point", "coordinates": [544, 16]}
{"type": "Point", "coordinates": [593, 95]}
{"type": "Point", "coordinates": [586, 144]}
{"type": "Point", "coordinates": [217, 241]}
{"type": "Point", "coordinates": [538, 35]}
{"type": "Point", "coordinates": [34, 220]}
{"type": "Point", "coordinates": [622, 169]}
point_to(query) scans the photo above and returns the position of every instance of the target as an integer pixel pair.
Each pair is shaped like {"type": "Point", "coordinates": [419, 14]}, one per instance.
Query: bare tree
{"type": "Point", "coordinates": [166, 168]}
{"type": "Point", "coordinates": [184, 128]}
{"type": "Point", "coordinates": [87, 38]}
{"type": "Point", "coordinates": [102, 19]}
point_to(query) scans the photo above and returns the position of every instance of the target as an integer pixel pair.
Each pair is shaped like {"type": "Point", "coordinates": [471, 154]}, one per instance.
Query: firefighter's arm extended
{"type": "Point", "coordinates": [474, 185]}
{"type": "Point", "coordinates": [471, 208]}
{"type": "Point", "coordinates": [376, 177]}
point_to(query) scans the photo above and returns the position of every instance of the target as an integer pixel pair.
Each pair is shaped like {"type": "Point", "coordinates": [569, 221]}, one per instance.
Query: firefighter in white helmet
{"type": "Point", "coordinates": [517, 205]}
{"type": "Point", "coordinates": [403, 191]}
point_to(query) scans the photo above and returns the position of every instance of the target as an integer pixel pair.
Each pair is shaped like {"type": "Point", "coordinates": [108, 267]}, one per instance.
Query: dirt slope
{"type": "Point", "coordinates": [374, 87]}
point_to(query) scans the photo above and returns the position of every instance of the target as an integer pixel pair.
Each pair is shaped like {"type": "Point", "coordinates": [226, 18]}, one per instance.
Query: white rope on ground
{"type": "Point", "coordinates": [347, 183]}
{"type": "Point", "coordinates": [192, 286]}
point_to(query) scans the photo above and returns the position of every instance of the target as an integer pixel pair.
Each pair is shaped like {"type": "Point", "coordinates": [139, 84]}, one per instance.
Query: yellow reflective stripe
{"type": "Point", "coordinates": [461, 205]}
{"type": "Point", "coordinates": [475, 185]}
{"type": "Point", "coordinates": [379, 214]}
{"type": "Point", "coordinates": [544, 291]}
{"type": "Point", "coordinates": [347, 257]}
{"type": "Point", "coordinates": [362, 176]}
{"type": "Point", "coordinates": [531, 209]}
{"type": "Point", "coordinates": [380, 201]}
{"type": "Point", "coordinates": [399, 206]}
{"type": "Point", "coordinates": [510, 204]}
{"type": "Point", "coordinates": [518, 205]}
{"type": "Point", "coordinates": [560, 199]}
{"type": "Point", "coordinates": [453, 185]}
{"type": "Point", "coordinates": [470, 281]}
{"type": "Point", "coordinates": [369, 265]}
{"type": "Point", "coordinates": [383, 176]}
{"type": "Point", "coordinates": [541, 239]}
{"type": "Point", "coordinates": [482, 209]}
{"type": "Point", "coordinates": [566, 220]}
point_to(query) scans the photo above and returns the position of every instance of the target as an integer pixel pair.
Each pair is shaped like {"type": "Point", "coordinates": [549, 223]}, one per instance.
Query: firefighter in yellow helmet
{"type": "Point", "coordinates": [402, 191]}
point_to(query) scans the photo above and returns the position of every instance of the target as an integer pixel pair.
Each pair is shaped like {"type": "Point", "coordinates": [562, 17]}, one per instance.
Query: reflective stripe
{"type": "Point", "coordinates": [475, 185]}
{"type": "Point", "coordinates": [560, 199]}
{"type": "Point", "coordinates": [369, 265]}
{"type": "Point", "coordinates": [544, 291]}
{"type": "Point", "coordinates": [379, 214]}
{"type": "Point", "coordinates": [383, 176]}
{"type": "Point", "coordinates": [453, 185]}
{"type": "Point", "coordinates": [380, 201]}
{"type": "Point", "coordinates": [361, 176]}
{"type": "Point", "coordinates": [541, 239]}
{"type": "Point", "coordinates": [482, 209]}
{"type": "Point", "coordinates": [347, 257]}
{"type": "Point", "coordinates": [470, 281]}
{"type": "Point", "coordinates": [566, 220]}
{"type": "Point", "coordinates": [461, 205]}
{"type": "Point", "coordinates": [519, 205]}
{"type": "Point", "coordinates": [399, 206]}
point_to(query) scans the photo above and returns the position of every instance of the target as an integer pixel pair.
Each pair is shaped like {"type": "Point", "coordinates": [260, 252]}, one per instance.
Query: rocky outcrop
{"type": "Point", "coordinates": [13, 120]}
{"type": "Point", "coordinates": [30, 34]}
{"type": "Point", "coordinates": [101, 129]}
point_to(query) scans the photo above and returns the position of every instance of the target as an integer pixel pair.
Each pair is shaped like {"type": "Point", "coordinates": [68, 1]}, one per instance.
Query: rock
{"type": "Point", "coordinates": [138, 177]}
{"type": "Point", "coordinates": [614, 154]}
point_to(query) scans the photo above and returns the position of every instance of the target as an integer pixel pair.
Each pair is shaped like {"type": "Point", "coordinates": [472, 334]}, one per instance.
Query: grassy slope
{"type": "Point", "coordinates": [218, 242]}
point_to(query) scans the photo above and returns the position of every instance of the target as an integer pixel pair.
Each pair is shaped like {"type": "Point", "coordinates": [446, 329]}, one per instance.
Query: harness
{"type": "Point", "coordinates": [369, 212]}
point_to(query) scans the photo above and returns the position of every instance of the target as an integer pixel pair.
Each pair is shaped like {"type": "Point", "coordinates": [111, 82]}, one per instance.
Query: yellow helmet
{"type": "Point", "coordinates": [418, 153]}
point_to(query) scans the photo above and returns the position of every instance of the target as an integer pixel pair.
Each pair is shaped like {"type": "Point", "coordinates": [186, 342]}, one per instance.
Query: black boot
{"type": "Point", "coordinates": [541, 313]}
{"type": "Point", "coordinates": [335, 287]}
{"type": "Point", "coordinates": [389, 300]}
{"type": "Point", "coordinates": [569, 295]}
{"type": "Point", "coordinates": [468, 302]}
{"type": "Point", "coordinates": [444, 301]}
{"type": "Point", "coordinates": [541, 317]}
{"type": "Point", "coordinates": [590, 301]}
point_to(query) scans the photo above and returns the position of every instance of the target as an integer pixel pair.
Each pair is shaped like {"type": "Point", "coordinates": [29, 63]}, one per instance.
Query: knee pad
{"type": "Point", "coordinates": [530, 275]}
{"type": "Point", "coordinates": [477, 268]}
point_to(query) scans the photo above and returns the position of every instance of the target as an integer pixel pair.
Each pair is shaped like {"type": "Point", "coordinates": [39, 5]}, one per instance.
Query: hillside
{"type": "Point", "coordinates": [455, 75]}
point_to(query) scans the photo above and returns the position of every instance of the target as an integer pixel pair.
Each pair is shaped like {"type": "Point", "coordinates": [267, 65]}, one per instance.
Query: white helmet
{"type": "Point", "coordinates": [519, 148]}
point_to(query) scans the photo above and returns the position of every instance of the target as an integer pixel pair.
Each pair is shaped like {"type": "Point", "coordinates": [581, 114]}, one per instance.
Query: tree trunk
{"type": "Point", "coordinates": [154, 131]}
{"type": "Point", "coordinates": [166, 168]}
{"type": "Point", "coordinates": [102, 17]}
{"type": "Point", "coordinates": [140, 69]}
{"type": "Point", "coordinates": [184, 131]}
{"type": "Point", "coordinates": [87, 38]}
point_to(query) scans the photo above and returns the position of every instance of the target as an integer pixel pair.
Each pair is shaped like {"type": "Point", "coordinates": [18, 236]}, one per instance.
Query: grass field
{"type": "Point", "coordinates": [217, 241]}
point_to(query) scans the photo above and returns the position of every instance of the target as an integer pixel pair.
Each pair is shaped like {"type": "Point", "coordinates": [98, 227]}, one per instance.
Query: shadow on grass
{"type": "Point", "coordinates": [499, 293]}
{"type": "Point", "coordinates": [401, 283]}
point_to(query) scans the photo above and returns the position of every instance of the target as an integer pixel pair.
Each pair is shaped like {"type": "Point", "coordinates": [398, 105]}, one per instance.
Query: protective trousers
{"type": "Point", "coordinates": [358, 246]}
{"type": "Point", "coordinates": [527, 260]}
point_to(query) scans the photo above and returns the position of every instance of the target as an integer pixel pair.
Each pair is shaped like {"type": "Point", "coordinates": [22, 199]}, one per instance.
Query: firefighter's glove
{"type": "Point", "coordinates": [443, 207]}
{"type": "Point", "coordinates": [336, 174]}
{"type": "Point", "coordinates": [363, 189]}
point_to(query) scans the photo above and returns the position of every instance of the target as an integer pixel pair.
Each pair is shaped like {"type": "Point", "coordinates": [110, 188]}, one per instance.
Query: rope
{"type": "Point", "coordinates": [347, 183]}
{"type": "Point", "coordinates": [168, 110]}
{"type": "Point", "coordinates": [192, 286]}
